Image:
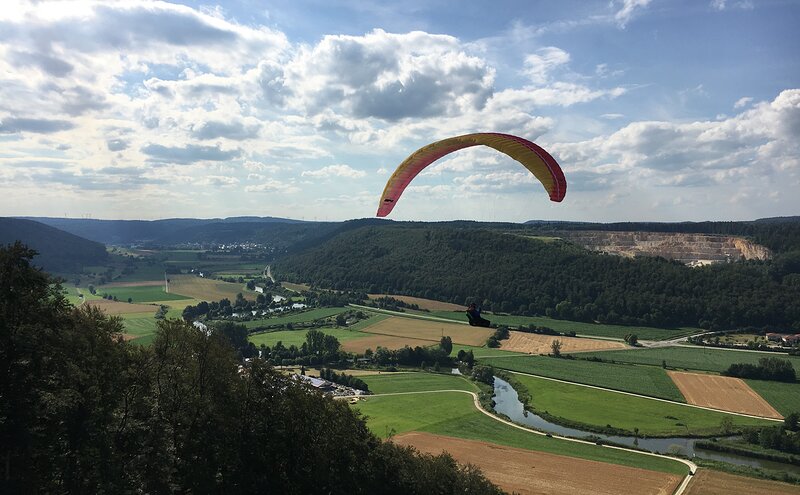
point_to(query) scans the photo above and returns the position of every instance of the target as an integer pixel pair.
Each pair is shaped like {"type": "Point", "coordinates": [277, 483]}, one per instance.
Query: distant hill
{"type": "Point", "coordinates": [518, 273]}
{"type": "Point", "coordinates": [59, 251]}
{"type": "Point", "coordinates": [124, 232]}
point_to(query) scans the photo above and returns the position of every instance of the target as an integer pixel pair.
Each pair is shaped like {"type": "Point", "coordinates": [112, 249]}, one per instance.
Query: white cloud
{"type": "Point", "coordinates": [628, 9]}
{"type": "Point", "coordinates": [335, 171]}
{"type": "Point", "coordinates": [742, 102]}
{"type": "Point", "coordinates": [539, 65]}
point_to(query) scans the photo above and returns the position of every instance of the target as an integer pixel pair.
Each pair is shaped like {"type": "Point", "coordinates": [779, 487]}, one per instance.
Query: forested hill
{"type": "Point", "coordinates": [59, 251]}
{"type": "Point", "coordinates": [517, 274]}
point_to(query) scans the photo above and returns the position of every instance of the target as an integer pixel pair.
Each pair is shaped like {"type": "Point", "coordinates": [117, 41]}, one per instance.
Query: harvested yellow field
{"type": "Point", "coordinates": [428, 304]}
{"type": "Point", "coordinates": [722, 392]}
{"type": "Point", "coordinates": [121, 308]}
{"type": "Point", "coordinates": [707, 482]}
{"type": "Point", "coordinates": [430, 330]}
{"type": "Point", "coordinates": [206, 289]}
{"type": "Point", "coordinates": [387, 341]}
{"type": "Point", "coordinates": [525, 471]}
{"type": "Point", "coordinates": [533, 343]}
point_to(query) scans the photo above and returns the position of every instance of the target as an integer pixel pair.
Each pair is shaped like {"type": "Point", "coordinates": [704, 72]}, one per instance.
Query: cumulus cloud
{"type": "Point", "coordinates": [389, 76]}
{"type": "Point", "coordinates": [742, 102]}
{"type": "Point", "coordinates": [10, 125]}
{"type": "Point", "coordinates": [335, 171]}
{"type": "Point", "coordinates": [230, 130]}
{"type": "Point", "coordinates": [188, 154]}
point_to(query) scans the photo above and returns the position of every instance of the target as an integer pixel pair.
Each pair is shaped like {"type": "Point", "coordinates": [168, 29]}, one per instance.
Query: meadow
{"type": "Point", "coordinates": [692, 358]}
{"type": "Point", "coordinates": [580, 328]}
{"type": "Point", "coordinates": [644, 380]}
{"type": "Point", "coordinates": [454, 414]}
{"type": "Point", "coordinates": [141, 294]}
{"type": "Point", "coordinates": [600, 408]}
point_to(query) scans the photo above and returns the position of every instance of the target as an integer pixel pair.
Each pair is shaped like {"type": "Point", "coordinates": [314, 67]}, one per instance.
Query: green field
{"type": "Point", "coordinates": [415, 382]}
{"type": "Point", "coordinates": [693, 358]}
{"type": "Point", "coordinates": [601, 408]}
{"type": "Point", "coordinates": [645, 380]}
{"type": "Point", "coordinates": [141, 294]}
{"type": "Point", "coordinates": [297, 337]}
{"type": "Point", "coordinates": [310, 315]}
{"type": "Point", "coordinates": [482, 352]}
{"type": "Point", "coordinates": [784, 397]}
{"type": "Point", "coordinates": [454, 414]}
{"type": "Point", "coordinates": [581, 328]}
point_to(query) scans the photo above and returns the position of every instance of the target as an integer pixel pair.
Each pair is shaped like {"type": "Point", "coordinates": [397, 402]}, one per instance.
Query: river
{"type": "Point", "coordinates": [507, 403]}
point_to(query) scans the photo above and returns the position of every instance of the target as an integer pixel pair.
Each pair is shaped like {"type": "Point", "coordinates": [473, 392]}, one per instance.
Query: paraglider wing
{"type": "Point", "coordinates": [531, 156]}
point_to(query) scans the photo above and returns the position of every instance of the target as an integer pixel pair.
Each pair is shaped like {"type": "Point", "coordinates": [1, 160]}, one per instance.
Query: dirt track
{"type": "Point", "coordinates": [707, 482]}
{"type": "Point", "coordinates": [722, 392]}
{"type": "Point", "coordinates": [430, 330]}
{"type": "Point", "coordinates": [526, 471]}
{"type": "Point", "coordinates": [532, 343]}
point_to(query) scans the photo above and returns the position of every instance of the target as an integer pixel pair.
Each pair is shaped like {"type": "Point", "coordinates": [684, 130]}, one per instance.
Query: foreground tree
{"type": "Point", "coordinates": [83, 411]}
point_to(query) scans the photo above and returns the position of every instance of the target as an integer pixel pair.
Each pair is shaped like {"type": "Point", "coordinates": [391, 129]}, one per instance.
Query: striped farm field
{"type": "Point", "coordinates": [532, 343]}
{"type": "Point", "coordinates": [371, 341]}
{"type": "Point", "coordinates": [784, 397]}
{"type": "Point", "coordinates": [430, 330]}
{"type": "Point", "coordinates": [722, 392]}
{"type": "Point", "coordinates": [524, 471]}
{"type": "Point", "coordinates": [644, 380]}
{"type": "Point", "coordinates": [416, 382]}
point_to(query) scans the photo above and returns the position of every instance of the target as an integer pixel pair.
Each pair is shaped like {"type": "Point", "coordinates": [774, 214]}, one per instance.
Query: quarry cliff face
{"type": "Point", "coordinates": [691, 249]}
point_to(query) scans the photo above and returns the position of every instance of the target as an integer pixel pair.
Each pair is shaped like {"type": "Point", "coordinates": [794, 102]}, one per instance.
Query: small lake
{"type": "Point", "coordinates": [507, 403]}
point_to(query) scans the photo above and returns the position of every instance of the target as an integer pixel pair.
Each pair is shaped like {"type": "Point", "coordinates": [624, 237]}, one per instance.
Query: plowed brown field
{"type": "Point", "coordinates": [707, 482]}
{"type": "Point", "coordinates": [532, 343]}
{"type": "Point", "coordinates": [430, 330]}
{"type": "Point", "coordinates": [206, 289]}
{"type": "Point", "coordinates": [121, 308]}
{"type": "Point", "coordinates": [387, 341]}
{"type": "Point", "coordinates": [526, 471]}
{"type": "Point", "coordinates": [428, 304]}
{"type": "Point", "coordinates": [722, 392]}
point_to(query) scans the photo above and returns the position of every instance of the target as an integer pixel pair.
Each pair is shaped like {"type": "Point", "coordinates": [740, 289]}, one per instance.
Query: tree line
{"type": "Point", "coordinates": [82, 411]}
{"type": "Point", "coordinates": [514, 274]}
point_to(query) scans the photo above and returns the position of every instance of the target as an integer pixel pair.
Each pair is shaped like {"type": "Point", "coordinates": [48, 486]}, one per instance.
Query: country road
{"type": "Point", "coordinates": [268, 273]}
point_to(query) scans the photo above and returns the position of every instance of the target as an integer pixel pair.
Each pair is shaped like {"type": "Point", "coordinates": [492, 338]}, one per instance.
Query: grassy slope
{"type": "Point", "coordinates": [785, 397]}
{"type": "Point", "coordinates": [454, 414]}
{"type": "Point", "coordinates": [645, 380]}
{"type": "Point", "coordinates": [699, 358]}
{"type": "Point", "coordinates": [601, 408]}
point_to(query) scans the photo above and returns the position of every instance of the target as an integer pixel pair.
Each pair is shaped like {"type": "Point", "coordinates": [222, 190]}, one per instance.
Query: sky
{"type": "Point", "coordinates": [656, 110]}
